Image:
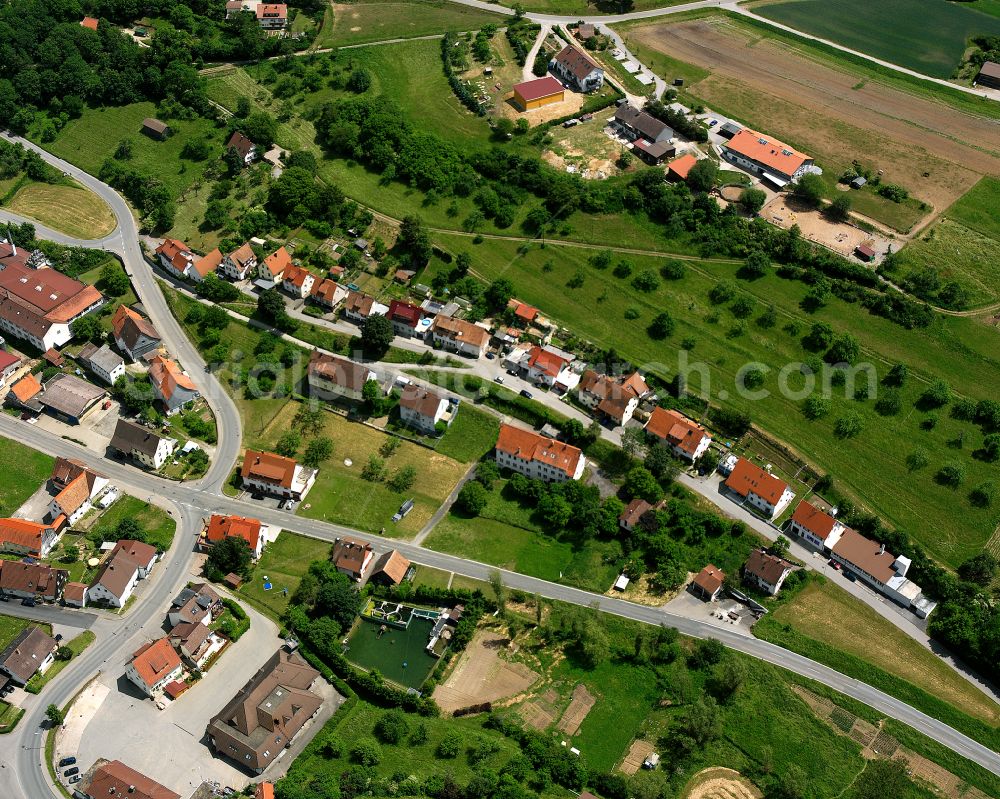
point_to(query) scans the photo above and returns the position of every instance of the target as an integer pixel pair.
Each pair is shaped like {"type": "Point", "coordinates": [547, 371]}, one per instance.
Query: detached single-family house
{"type": "Point", "coordinates": [75, 595]}
{"type": "Point", "coordinates": [172, 387]}
{"type": "Point", "coordinates": [244, 148]}
{"type": "Point", "coordinates": [819, 528]}
{"type": "Point", "coordinates": [103, 362]}
{"type": "Point", "coordinates": [768, 158]}
{"type": "Point", "coordinates": [686, 438]}
{"type": "Point", "coordinates": [405, 318]}
{"type": "Point", "coordinates": [546, 368]}
{"type": "Point", "coordinates": [389, 569]}
{"type": "Point", "coordinates": [708, 583]}
{"type": "Point", "coordinates": [23, 537]}
{"type": "Point", "coordinates": [578, 69]}
{"type": "Point", "coordinates": [272, 16]}
{"type": "Point", "coordinates": [142, 444]}
{"type": "Point", "coordinates": [25, 393]}
{"type": "Point", "coordinates": [134, 335]}
{"type": "Point", "coordinates": [422, 409]}
{"type": "Point", "coordinates": [331, 377]}
{"type": "Point", "coordinates": [115, 779]}
{"type": "Point", "coordinates": [274, 265]}
{"type": "Point", "coordinates": [458, 335]}
{"type": "Point", "coordinates": [538, 457]}
{"type": "Point", "coordinates": [275, 475]}
{"type": "Point", "coordinates": [633, 514]}
{"type": "Point", "coordinates": [766, 572]}
{"type": "Point", "coordinates": [126, 564]}
{"type": "Point", "coordinates": [614, 398]}
{"type": "Point", "coordinates": [175, 257]}
{"type": "Point", "coordinates": [36, 581]}
{"type": "Point", "coordinates": [523, 313]}
{"type": "Point", "coordinates": [221, 527]}
{"type": "Point", "coordinates": [31, 652]}
{"type": "Point", "coordinates": [77, 497]}
{"type": "Point", "coordinates": [352, 557]}
{"type": "Point", "coordinates": [205, 265]}
{"type": "Point", "coordinates": [197, 604]}
{"type": "Point", "coordinates": [153, 666]}
{"type": "Point", "coordinates": [239, 264]}
{"type": "Point", "coordinates": [359, 306]}
{"type": "Point", "coordinates": [759, 488]}
{"type": "Point", "coordinates": [328, 293]}
{"type": "Point", "coordinates": [298, 281]}
{"type": "Point", "coordinates": [195, 643]}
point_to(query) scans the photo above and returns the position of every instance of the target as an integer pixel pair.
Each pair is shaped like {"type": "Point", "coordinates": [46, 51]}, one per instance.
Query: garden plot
{"type": "Point", "coordinates": [482, 675]}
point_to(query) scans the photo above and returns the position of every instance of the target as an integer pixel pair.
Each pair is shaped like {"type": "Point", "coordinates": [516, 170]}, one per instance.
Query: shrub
{"type": "Point", "coordinates": [951, 474]}
{"type": "Point", "coordinates": [662, 326]}
{"type": "Point", "coordinates": [366, 752]}
{"type": "Point", "coordinates": [849, 425]}
{"type": "Point", "coordinates": [392, 727]}
{"type": "Point", "coordinates": [450, 746]}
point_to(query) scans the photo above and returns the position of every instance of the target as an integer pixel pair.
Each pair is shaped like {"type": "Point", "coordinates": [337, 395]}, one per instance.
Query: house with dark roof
{"type": "Point", "coordinates": [422, 408]}
{"type": "Point", "coordinates": [759, 488]}
{"type": "Point", "coordinates": [538, 457]}
{"type": "Point", "coordinates": [75, 595]}
{"type": "Point", "coordinates": [30, 653]}
{"type": "Point", "coordinates": [198, 603]}
{"type": "Point", "coordinates": [69, 399]}
{"type": "Point", "coordinates": [103, 362]}
{"type": "Point", "coordinates": [633, 514]}
{"type": "Point", "coordinates": [331, 377]}
{"type": "Point", "coordinates": [686, 438]}
{"type": "Point", "coordinates": [766, 572]}
{"type": "Point", "coordinates": [352, 557]}
{"type": "Point", "coordinates": [240, 263]}
{"type": "Point", "coordinates": [196, 643]}
{"type": "Point", "coordinates": [244, 148]}
{"type": "Point", "coordinates": [267, 713]}
{"type": "Point", "coordinates": [358, 306]}
{"type": "Point", "coordinates": [155, 129]}
{"type": "Point", "coordinates": [458, 335]}
{"type": "Point", "coordinates": [115, 779]}
{"type": "Point", "coordinates": [636, 124]}
{"type": "Point", "coordinates": [9, 363]}
{"type": "Point", "coordinates": [123, 568]}
{"type": "Point", "coordinates": [142, 444]}
{"type": "Point", "coordinates": [134, 335]}
{"type": "Point", "coordinates": [989, 75]}
{"type": "Point", "coordinates": [154, 665]}
{"type": "Point", "coordinates": [578, 69]}
{"type": "Point", "coordinates": [275, 475]}
{"type": "Point", "coordinates": [36, 581]}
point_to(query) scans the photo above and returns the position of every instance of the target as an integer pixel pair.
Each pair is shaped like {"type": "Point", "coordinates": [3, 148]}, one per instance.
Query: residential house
{"type": "Point", "coordinates": [154, 665]}
{"type": "Point", "coordinates": [69, 398]}
{"type": "Point", "coordinates": [75, 595]}
{"type": "Point", "coordinates": [9, 364]}
{"type": "Point", "coordinates": [546, 368]}
{"type": "Point", "coordinates": [65, 471]}
{"type": "Point", "coordinates": [768, 158]}
{"type": "Point", "coordinates": [40, 304]}
{"type": "Point", "coordinates": [134, 335]}
{"type": "Point", "coordinates": [405, 318]}
{"type": "Point", "coordinates": [389, 569]}
{"type": "Point", "coordinates": [205, 265]}
{"type": "Point", "coordinates": [538, 457]}
{"type": "Point", "coordinates": [328, 293]}
{"type": "Point", "coordinates": [686, 438]}
{"type": "Point", "coordinates": [116, 779]}
{"type": "Point", "coordinates": [275, 475]}
{"type": "Point", "coordinates": [760, 489]}
{"type": "Point", "coordinates": [103, 362]}
{"type": "Point", "coordinates": [175, 257]}
{"type": "Point", "coordinates": [458, 335]}
{"type": "Point", "coordinates": [239, 264]}
{"type": "Point", "coordinates": [636, 124]}
{"type": "Point", "coordinates": [352, 557]}
{"type": "Point", "coordinates": [244, 148]}
{"type": "Point", "coordinates": [31, 652]}
{"type": "Point", "coordinates": [23, 537]}
{"type": "Point", "coordinates": [273, 267]}
{"type": "Point", "coordinates": [536, 93]}
{"type": "Point", "coordinates": [195, 643]}
{"type": "Point", "coordinates": [155, 129]}
{"type": "Point", "coordinates": [298, 281]}
{"type": "Point", "coordinates": [221, 527]}
{"type": "Point", "coordinates": [36, 581]}
{"type": "Point", "coordinates": [708, 583]}
{"type": "Point", "coordinates": [126, 564]}
{"type": "Point", "coordinates": [331, 377]}
{"type": "Point", "coordinates": [266, 714]}
{"type": "Point", "coordinates": [142, 444]}
{"type": "Point", "coordinates": [272, 16]}
{"type": "Point", "coordinates": [633, 514]}
{"type": "Point", "coordinates": [89, 22]}
{"type": "Point", "coordinates": [77, 497]}
{"type": "Point", "coordinates": [654, 153]}
{"type": "Point", "coordinates": [25, 393]}
{"type": "Point", "coordinates": [766, 572]}
{"type": "Point", "coordinates": [614, 398]}
{"type": "Point", "coordinates": [195, 604]}
{"type": "Point", "coordinates": [524, 314]}
{"type": "Point", "coordinates": [172, 387]}
{"type": "Point", "coordinates": [578, 69]}
{"type": "Point", "coordinates": [821, 529]}
{"type": "Point", "coordinates": [358, 307]}
{"type": "Point", "coordinates": [422, 408]}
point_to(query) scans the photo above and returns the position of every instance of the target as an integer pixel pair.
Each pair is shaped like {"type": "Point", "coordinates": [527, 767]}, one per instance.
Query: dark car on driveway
{"type": "Point", "coordinates": [71, 771]}
{"type": "Point", "coordinates": [526, 394]}
{"type": "Point", "coordinates": [67, 761]}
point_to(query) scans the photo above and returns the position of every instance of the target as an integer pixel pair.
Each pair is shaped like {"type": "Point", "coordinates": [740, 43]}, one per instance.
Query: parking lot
{"type": "Point", "coordinates": [735, 616]}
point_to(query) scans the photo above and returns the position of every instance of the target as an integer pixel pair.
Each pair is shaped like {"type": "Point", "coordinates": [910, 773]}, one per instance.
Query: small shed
{"type": "Point", "coordinates": [865, 252]}
{"type": "Point", "coordinates": [729, 129]}
{"type": "Point", "coordinates": [652, 761]}
{"type": "Point", "coordinates": [621, 583]}
{"type": "Point", "coordinates": [155, 129]}
{"type": "Point", "coordinates": [858, 182]}
{"type": "Point", "coordinates": [54, 358]}
{"type": "Point", "coordinates": [233, 580]}
{"type": "Point", "coordinates": [586, 31]}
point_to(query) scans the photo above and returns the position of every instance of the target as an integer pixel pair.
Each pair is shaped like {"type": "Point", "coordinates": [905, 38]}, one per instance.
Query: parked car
{"type": "Point", "coordinates": [67, 761]}
{"type": "Point", "coordinates": [490, 356]}
{"type": "Point", "coordinates": [28, 602]}
{"type": "Point", "coordinates": [850, 576]}
{"type": "Point", "coordinates": [713, 123]}
{"type": "Point", "coordinates": [834, 564]}
{"type": "Point", "coordinates": [75, 778]}
{"type": "Point", "coordinates": [71, 771]}
{"type": "Point", "coordinates": [498, 379]}
{"type": "Point", "coordinates": [525, 393]}
{"type": "Point", "coordinates": [4, 598]}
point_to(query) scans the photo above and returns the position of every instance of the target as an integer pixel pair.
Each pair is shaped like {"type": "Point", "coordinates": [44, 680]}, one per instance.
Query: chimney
{"type": "Point", "coordinates": [881, 549]}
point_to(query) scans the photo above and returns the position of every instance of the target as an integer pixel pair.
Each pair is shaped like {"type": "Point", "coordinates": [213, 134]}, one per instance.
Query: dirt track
{"type": "Point", "coordinates": [815, 105]}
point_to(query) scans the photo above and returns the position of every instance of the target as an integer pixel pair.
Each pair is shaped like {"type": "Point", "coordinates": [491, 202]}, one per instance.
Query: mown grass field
{"type": "Point", "coordinates": [926, 37]}
{"type": "Point", "coordinates": [10, 628]}
{"type": "Point", "coordinates": [357, 23]}
{"type": "Point", "coordinates": [825, 613]}
{"type": "Point", "coordinates": [157, 523]}
{"type": "Point", "coordinates": [24, 471]}
{"type": "Point", "coordinates": [70, 209]}
{"type": "Point", "coordinates": [870, 466]}
{"type": "Point", "coordinates": [284, 562]}
{"type": "Point", "coordinates": [471, 435]}
{"type": "Point", "coordinates": [979, 208]}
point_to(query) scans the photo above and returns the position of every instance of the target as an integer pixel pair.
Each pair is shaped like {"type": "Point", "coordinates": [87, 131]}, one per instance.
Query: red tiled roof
{"type": "Point", "coordinates": [278, 261]}
{"type": "Point", "coordinates": [74, 592]}
{"type": "Point", "coordinates": [89, 22]}
{"type": "Point", "coordinates": [175, 688]}
{"type": "Point", "coordinates": [765, 150]}
{"type": "Point", "coordinates": [710, 579]}
{"type": "Point", "coordinates": [115, 779]}
{"type": "Point", "coordinates": [155, 660]}
{"type": "Point", "coordinates": [405, 312]}
{"type": "Point", "coordinates": [523, 311]}
{"type": "Point", "coordinates": [546, 362]}
{"type": "Point", "coordinates": [220, 527]}
{"type": "Point", "coordinates": [765, 566]}
{"type": "Point", "coordinates": [269, 467]}
{"type": "Point", "coordinates": [74, 495]}
{"type": "Point", "coordinates": [125, 316]}
{"type": "Point", "coordinates": [325, 290]}
{"type": "Point", "coordinates": [530, 446]}
{"type": "Point", "coordinates": [23, 533]}
{"type": "Point", "coordinates": [816, 521]}
{"type": "Point", "coordinates": [536, 89]}
{"type": "Point", "coordinates": [175, 251]}
{"type": "Point", "coordinates": [272, 11]}
{"type": "Point", "coordinates": [296, 276]}
{"type": "Point", "coordinates": [207, 264]}
{"type": "Point", "coordinates": [675, 428]}
{"type": "Point", "coordinates": [26, 388]}
{"type": "Point", "coordinates": [576, 61]}
{"type": "Point", "coordinates": [747, 477]}
{"type": "Point", "coordinates": [7, 360]}
{"type": "Point", "coordinates": [168, 377]}
{"type": "Point", "coordinates": [681, 166]}
{"type": "Point", "coordinates": [459, 330]}
{"type": "Point", "coordinates": [349, 554]}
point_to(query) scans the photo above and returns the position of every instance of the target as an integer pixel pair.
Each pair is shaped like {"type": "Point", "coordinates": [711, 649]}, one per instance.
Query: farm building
{"type": "Point", "coordinates": [775, 161]}
{"type": "Point", "coordinates": [653, 154]}
{"type": "Point", "coordinates": [155, 129]}
{"type": "Point", "coordinates": [989, 75]}
{"type": "Point", "coordinates": [532, 94]}
{"type": "Point", "coordinates": [865, 252]}
{"type": "Point", "coordinates": [679, 168]}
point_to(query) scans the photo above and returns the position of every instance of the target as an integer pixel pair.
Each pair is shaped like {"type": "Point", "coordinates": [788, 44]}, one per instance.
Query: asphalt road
{"type": "Point", "coordinates": [49, 614]}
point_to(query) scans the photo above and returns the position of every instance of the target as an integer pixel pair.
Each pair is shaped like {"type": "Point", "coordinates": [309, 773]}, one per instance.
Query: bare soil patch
{"type": "Point", "coordinates": [721, 783]}
{"type": "Point", "coordinates": [579, 707]}
{"type": "Point", "coordinates": [636, 755]}
{"type": "Point", "coordinates": [571, 103]}
{"type": "Point", "coordinates": [935, 151]}
{"type": "Point", "coordinates": [841, 237]}
{"type": "Point", "coordinates": [482, 675]}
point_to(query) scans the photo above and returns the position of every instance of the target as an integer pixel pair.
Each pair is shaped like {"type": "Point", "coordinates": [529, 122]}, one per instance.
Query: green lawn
{"type": "Point", "coordinates": [10, 627]}
{"type": "Point", "coordinates": [357, 23]}
{"type": "Point", "coordinates": [926, 37]}
{"type": "Point", "coordinates": [66, 207]}
{"type": "Point", "coordinates": [471, 435]}
{"type": "Point", "coordinates": [979, 208]}
{"type": "Point", "coordinates": [870, 466]}
{"type": "Point", "coordinates": [284, 562]}
{"type": "Point", "coordinates": [156, 522]}
{"type": "Point", "coordinates": [25, 470]}
{"type": "Point", "coordinates": [433, 578]}
{"type": "Point", "coordinates": [76, 645]}
{"type": "Point", "coordinates": [94, 136]}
